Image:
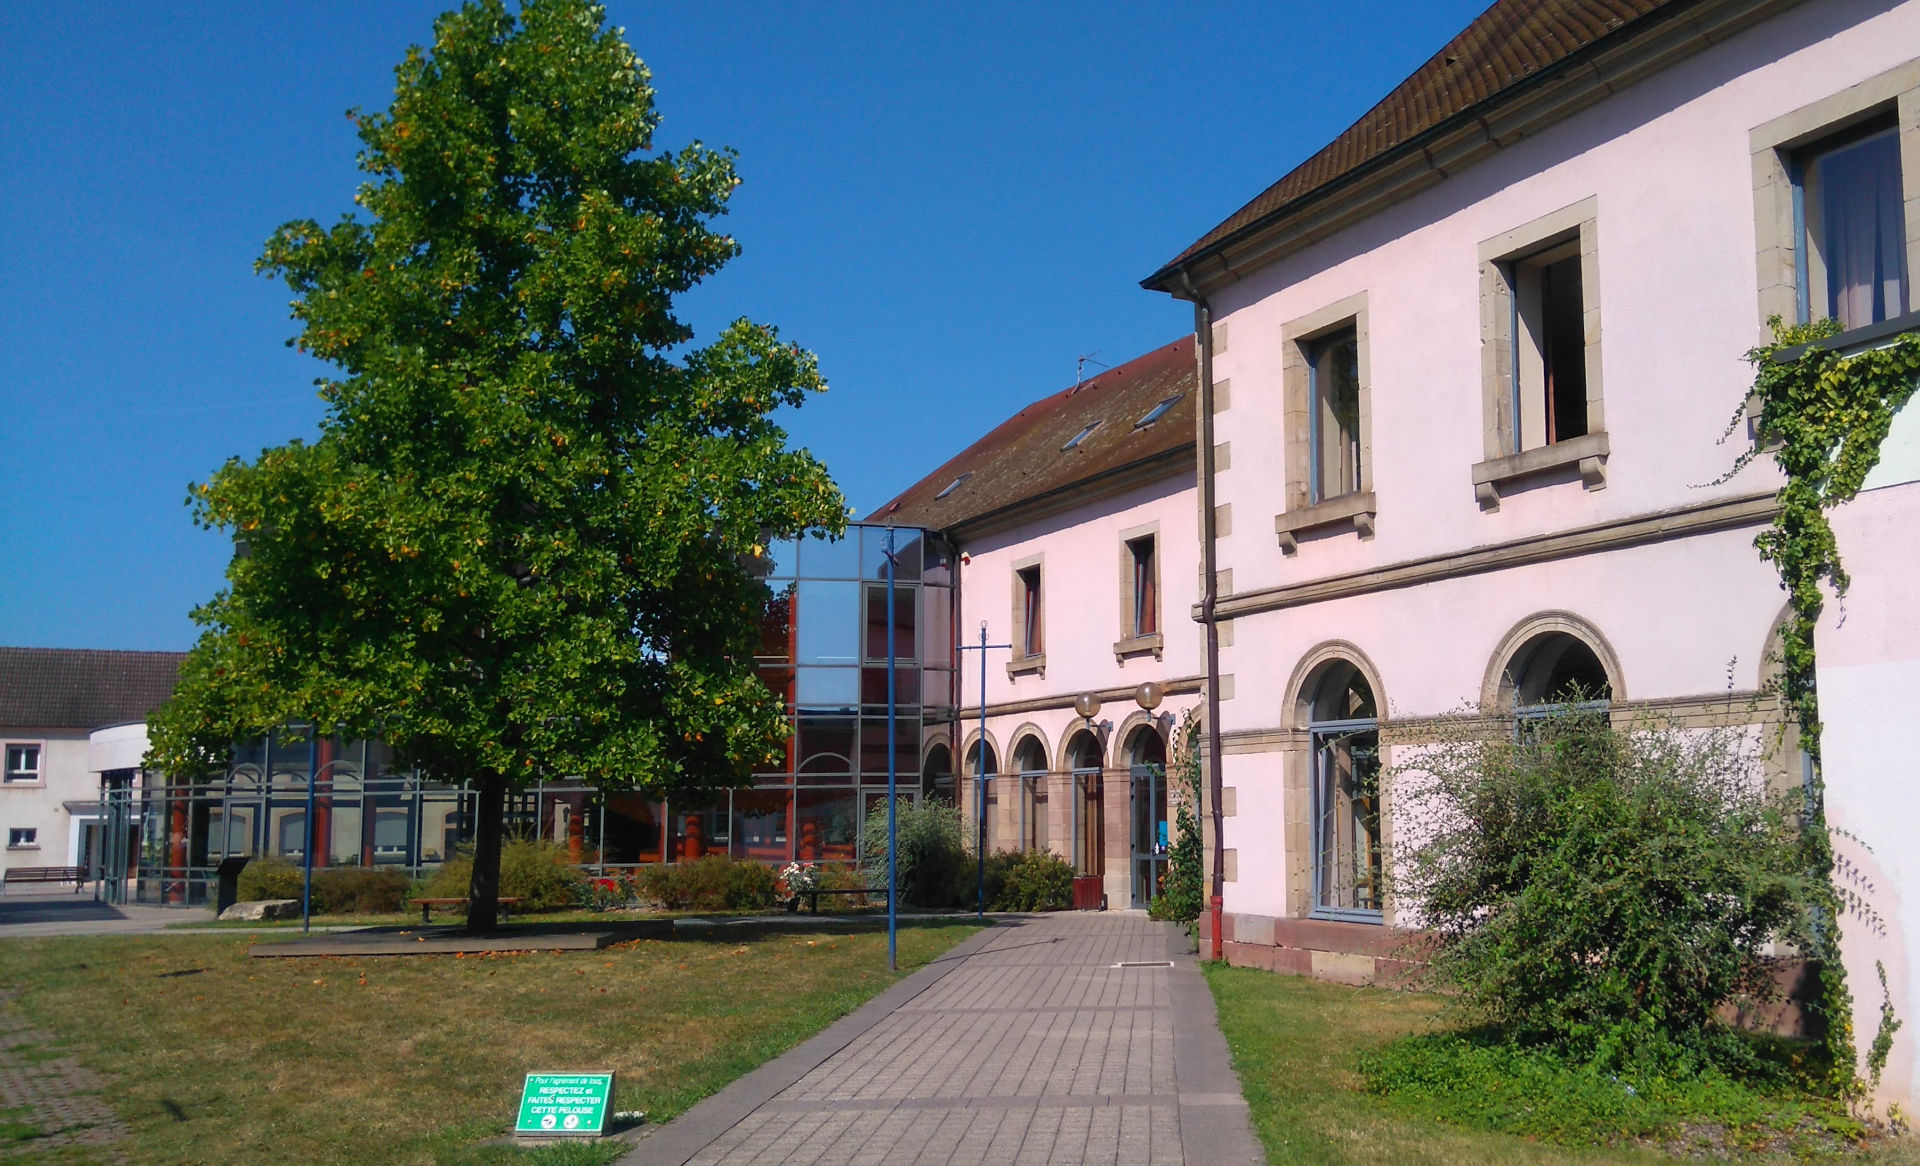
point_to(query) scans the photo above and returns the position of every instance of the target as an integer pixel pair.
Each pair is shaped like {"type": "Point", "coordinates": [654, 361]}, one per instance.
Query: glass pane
{"type": "Point", "coordinates": [1347, 820]}
{"type": "Point", "coordinates": [1855, 200]}
{"type": "Point", "coordinates": [776, 624]}
{"type": "Point", "coordinates": [1336, 416]}
{"type": "Point", "coordinates": [906, 688]}
{"type": "Point", "coordinates": [937, 561]}
{"type": "Point", "coordinates": [873, 748]}
{"type": "Point", "coordinates": [827, 688]}
{"type": "Point", "coordinates": [829, 623]}
{"type": "Point", "coordinates": [903, 622]}
{"type": "Point", "coordinates": [936, 613]}
{"type": "Point", "coordinates": [825, 746]}
{"type": "Point", "coordinates": [828, 825]}
{"type": "Point", "coordinates": [821, 559]}
{"type": "Point", "coordinates": [782, 557]}
{"type": "Point", "coordinates": [760, 824]}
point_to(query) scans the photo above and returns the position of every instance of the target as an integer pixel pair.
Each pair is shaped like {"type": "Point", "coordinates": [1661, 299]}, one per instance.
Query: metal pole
{"type": "Point", "coordinates": [306, 855]}
{"type": "Point", "coordinates": [893, 782]}
{"type": "Point", "coordinates": [980, 786]}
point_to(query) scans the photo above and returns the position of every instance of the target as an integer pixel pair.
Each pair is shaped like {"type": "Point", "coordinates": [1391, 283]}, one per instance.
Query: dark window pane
{"type": "Point", "coordinates": [1563, 321]}
{"type": "Point", "coordinates": [906, 686]}
{"type": "Point", "coordinates": [776, 624]}
{"type": "Point", "coordinates": [825, 746]}
{"type": "Point", "coordinates": [906, 546]}
{"type": "Point", "coordinates": [828, 825]}
{"type": "Point", "coordinates": [903, 622]}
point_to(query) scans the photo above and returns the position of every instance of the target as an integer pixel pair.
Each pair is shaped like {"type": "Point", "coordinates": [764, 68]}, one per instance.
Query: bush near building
{"type": "Point", "coordinates": [713, 883]}
{"type": "Point", "coordinates": [537, 873]}
{"type": "Point", "coordinates": [337, 890]}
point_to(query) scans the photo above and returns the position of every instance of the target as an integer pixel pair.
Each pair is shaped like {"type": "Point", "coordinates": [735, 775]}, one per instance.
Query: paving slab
{"type": "Point", "coordinates": [39, 913]}
{"type": "Point", "coordinates": [1070, 1038]}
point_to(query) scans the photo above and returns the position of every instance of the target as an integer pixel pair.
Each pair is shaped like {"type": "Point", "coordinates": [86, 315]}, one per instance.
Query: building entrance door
{"type": "Point", "coordinates": [1149, 831]}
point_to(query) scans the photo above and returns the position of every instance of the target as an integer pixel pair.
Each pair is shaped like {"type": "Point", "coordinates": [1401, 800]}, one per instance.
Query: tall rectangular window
{"type": "Point", "coordinates": [1032, 634]}
{"type": "Point", "coordinates": [1851, 253]}
{"type": "Point", "coordinates": [1549, 382]}
{"type": "Point", "coordinates": [1146, 586]}
{"type": "Point", "coordinates": [1333, 413]}
{"type": "Point", "coordinates": [23, 763]}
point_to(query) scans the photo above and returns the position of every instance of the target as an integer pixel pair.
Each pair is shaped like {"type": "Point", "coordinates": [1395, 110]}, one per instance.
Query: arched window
{"type": "Point", "coordinates": [936, 773]}
{"type": "Point", "coordinates": [1147, 765]}
{"type": "Point", "coordinates": [1030, 762]}
{"type": "Point", "coordinates": [1557, 669]}
{"type": "Point", "coordinates": [1089, 804]}
{"type": "Point", "coordinates": [984, 814]}
{"type": "Point", "coordinates": [1344, 731]}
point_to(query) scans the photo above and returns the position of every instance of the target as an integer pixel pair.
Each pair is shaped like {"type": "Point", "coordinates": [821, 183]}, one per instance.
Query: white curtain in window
{"type": "Point", "coordinates": [1864, 231]}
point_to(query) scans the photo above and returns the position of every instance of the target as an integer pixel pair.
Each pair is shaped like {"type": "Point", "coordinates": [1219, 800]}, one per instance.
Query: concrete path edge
{"type": "Point", "coordinates": [1219, 1130]}
{"type": "Point", "coordinates": [674, 1143]}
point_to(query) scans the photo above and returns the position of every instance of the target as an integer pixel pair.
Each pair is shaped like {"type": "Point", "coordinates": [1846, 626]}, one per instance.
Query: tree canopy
{"type": "Point", "coordinates": [517, 548]}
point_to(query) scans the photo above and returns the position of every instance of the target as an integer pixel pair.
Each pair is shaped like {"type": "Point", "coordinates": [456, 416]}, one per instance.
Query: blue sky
{"type": "Point", "coordinates": [948, 204]}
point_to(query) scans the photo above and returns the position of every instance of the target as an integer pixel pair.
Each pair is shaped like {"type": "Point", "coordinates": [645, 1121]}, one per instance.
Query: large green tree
{"type": "Point", "coordinates": [516, 549]}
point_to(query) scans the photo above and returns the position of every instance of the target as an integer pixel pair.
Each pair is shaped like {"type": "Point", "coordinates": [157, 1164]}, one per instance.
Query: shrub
{"type": "Point", "coordinates": [1183, 891]}
{"type": "Point", "coordinates": [358, 890]}
{"type": "Point", "coordinates": [535, 872]}
{"type": "Point", "coordinates": [935, 868]}
{"type": "Point", "coordinates": [1596, 891]}
{"type": "Point", "coordinates": [269, 878]}
{"type": "Point", "coordinates": [1030, 880]}
{"type": "Point", "coordinates": [713, 883]}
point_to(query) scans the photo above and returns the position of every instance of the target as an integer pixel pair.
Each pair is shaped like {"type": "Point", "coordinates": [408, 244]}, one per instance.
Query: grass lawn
{"type": "Point", "coordinates": [1294, 1041]}
{"type": "Point", "coordinates": [212, 1056]}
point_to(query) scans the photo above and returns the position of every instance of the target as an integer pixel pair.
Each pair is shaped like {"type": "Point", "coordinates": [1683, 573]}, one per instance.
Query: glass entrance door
{"type": "Point", "coordinates": [1149, 832]}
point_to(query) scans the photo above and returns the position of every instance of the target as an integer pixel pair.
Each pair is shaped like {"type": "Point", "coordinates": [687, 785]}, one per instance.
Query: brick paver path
{"type": "Point", "coordinates": [53, 1096]}
{"type": "Point", "coordinates": [1042, 1046]}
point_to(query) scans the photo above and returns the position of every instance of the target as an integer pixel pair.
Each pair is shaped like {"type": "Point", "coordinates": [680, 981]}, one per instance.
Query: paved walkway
{"type": "Point", "coordinates": [52, 1099]}
{"type": "Point", "coordinates": [1032, 1042]}
{"type": "Point", "coordinates": [65, 913]}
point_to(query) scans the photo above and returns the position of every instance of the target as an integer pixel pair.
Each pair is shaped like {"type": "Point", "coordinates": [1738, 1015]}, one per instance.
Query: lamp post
{"type": "Point", "coordinates": [893, 778]}
{"type": "Point", "coordinates": [980, 771]}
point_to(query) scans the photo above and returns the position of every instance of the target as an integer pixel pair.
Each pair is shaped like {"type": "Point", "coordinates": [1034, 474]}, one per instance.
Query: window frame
{"type": "Point", "coordinates": [1507, 260]}
{"type": "Point", "coordinates": [28, 838]}
{"type": "Point", "coordinates": [1354, 509]}
{"type": "Point", "coordinates": [1328, 732]}
{"type": "Point", "coordinates": [39, 778]}
{"type": "Point", "coordinates": [1029, 598]}
{"type": "Point", "coordinates": [1136, 639]}
{"type": "Point", "coordinates": [1779, 145]}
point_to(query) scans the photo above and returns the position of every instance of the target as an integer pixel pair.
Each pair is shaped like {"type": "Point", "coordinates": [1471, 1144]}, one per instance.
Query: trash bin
{"type": "Point", "coordinates": [1086, 893]}
{"type": "Point", "coordinates": [229, 890]}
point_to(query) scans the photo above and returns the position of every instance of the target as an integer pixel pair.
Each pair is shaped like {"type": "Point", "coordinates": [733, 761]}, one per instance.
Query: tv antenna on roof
{"type": "Point", "coordinates": [1080, 366]}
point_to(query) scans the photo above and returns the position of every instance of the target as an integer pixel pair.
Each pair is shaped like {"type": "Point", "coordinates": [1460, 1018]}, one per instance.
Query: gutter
{"type": "Point", "coordinates": [1209, 599]}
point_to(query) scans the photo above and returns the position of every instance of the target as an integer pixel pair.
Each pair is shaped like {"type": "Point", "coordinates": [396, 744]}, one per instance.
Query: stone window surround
{"type": "Point", "coordinates": [1130, 644]}
{"type": "Point", "coordinates": [1502, 462]}
{"type": "Point", "coordinates": [38, 782]}
{"type": "Point", "coordinates": [29, 838]}
{"type": "Point", "coordinates": [1021, 663]}
{"type": "Point", "coordinates": [1357, 508]}
{"type": "Point", "coordinates": [1895, 91]}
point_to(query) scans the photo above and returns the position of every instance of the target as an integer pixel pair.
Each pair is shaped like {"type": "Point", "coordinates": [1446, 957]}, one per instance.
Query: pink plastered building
{"type": "Point", "coordinates": [1458, 420]}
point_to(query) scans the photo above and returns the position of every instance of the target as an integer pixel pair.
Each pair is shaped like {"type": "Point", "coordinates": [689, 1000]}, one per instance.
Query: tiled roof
{"type": "Point", "coordinates": [1509, 43]}
{"type": "Point", "coordinates": [79, 689]}
{"type": "Point", "coordinates": [1022, 459]}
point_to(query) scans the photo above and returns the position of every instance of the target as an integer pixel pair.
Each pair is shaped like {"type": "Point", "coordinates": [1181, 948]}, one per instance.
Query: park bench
{"type": "Point", "coordinates": [77, 875]}
{"type": "Point", "coordinates": [427, 905]}
{"type": "Point", "coordinates": [813, 897]}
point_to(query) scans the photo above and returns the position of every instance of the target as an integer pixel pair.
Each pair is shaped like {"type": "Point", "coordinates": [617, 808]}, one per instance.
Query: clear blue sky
{"type": "Point", "coordinates": [947, 203]}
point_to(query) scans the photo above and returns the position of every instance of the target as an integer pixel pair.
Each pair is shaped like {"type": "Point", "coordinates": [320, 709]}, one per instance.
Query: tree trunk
{"type": "Point", "coordinates": [483, 892]}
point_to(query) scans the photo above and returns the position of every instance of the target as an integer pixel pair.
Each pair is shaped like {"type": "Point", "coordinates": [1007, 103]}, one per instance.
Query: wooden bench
{"type": "Point", "coordinates": [813, 897]}
{"type": "Point", "coordinates": [427, 905]}
{"type": "Point", "coordinates": [77, 875]}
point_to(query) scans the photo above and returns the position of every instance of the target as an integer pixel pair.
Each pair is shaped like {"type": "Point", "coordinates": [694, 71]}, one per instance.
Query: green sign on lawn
{"type": "Point", "coordinates": [564, 1104]}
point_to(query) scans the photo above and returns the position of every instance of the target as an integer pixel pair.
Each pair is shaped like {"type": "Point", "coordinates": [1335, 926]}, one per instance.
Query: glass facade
{"type": "Point", "coordinates": [823, 649]}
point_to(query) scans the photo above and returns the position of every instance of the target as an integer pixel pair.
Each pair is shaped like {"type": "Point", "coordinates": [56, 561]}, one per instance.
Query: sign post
{"type": "Point", "coordinates": [564, 1105]}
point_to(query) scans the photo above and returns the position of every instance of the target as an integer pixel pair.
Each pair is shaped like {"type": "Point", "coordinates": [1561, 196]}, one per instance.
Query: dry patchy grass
{"type": "Point", "coordinates": [214, 1056]}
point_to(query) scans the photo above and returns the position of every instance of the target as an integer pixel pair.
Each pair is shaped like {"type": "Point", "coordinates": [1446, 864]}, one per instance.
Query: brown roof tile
{"type": "Point", "coordinates": [80, 689]}
{"type": "Point", "coordinates": [1510, 42]}
{"type": "Point", "coordinates": [1022, 460]}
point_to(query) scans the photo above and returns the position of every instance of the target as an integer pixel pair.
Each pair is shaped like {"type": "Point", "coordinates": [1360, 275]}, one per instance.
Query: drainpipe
{"type": "Point", "coordinates": [1209, 597]}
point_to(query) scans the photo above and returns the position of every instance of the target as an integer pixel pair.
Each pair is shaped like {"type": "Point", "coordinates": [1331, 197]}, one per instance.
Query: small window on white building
{"type": "Point", "coordinates": [23, 763]}
{"type": "Point", "coordinates": [1146, 586]}
{"type": "Point", "coordinates": [23, 838]}
{"type": "Point", "coordinates": [1851, 255]}
{"type": "Point", "coordinates": [1333, 417]}
{"type": "Point", "coordinates": [1032, 640]}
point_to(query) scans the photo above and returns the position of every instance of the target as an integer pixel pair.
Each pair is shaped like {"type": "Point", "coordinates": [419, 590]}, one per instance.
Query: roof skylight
{"type": "Point", "coordinates": [1079, 437]}
{"type": "Point", "coordinates": [1157, 412]}
{"type": "Point", "coordinates": [953, 485]}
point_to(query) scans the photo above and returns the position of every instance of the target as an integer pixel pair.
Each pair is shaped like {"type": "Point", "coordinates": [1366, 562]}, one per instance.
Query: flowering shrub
{"type": "Point", "coordinates": [800, 877]}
